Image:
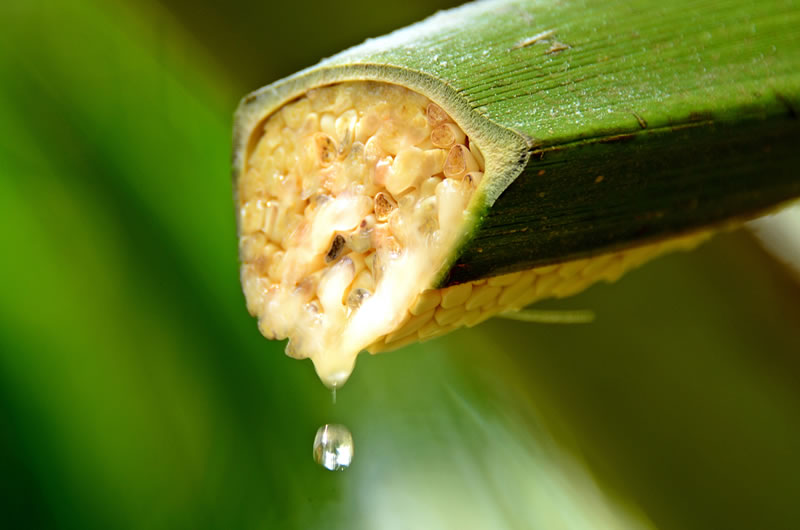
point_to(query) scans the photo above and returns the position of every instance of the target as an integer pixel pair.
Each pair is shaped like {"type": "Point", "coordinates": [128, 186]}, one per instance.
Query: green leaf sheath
{"type": "Point", "coordinates": [603, 195]}
{"type": "Point", "coordinates": [604, 124]}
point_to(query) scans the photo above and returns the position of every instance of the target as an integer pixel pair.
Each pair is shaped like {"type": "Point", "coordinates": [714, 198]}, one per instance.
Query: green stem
{"type": "Point", "coordinates": [604, 125]}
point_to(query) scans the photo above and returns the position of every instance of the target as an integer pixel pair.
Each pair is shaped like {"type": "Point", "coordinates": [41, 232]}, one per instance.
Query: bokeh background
{"type": "Point", "coordinates": [136, 391]}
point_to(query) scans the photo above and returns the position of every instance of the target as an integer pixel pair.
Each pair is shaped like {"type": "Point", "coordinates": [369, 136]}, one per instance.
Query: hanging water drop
{"type": "Point", "coordinates": [333, 447]}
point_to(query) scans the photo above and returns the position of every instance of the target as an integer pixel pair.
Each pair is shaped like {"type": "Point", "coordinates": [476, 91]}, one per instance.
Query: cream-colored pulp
{"type": "Point", "coordinates": [351, 199]}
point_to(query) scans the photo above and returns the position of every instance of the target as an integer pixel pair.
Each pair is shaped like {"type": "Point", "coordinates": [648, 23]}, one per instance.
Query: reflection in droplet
{"type": "Point", "coordinates": [333, 447]}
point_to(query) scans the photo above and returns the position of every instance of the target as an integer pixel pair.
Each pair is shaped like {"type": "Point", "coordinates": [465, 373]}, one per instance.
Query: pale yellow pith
{"type": "Point", "coordinates": [351, 199]}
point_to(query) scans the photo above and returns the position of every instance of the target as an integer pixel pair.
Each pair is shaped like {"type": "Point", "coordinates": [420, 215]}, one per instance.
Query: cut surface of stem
{"type": "Point", "coordinates": [347, 210]}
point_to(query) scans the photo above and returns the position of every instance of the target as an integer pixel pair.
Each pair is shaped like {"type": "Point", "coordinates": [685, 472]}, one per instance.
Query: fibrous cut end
{"type": "Point", "coordinates": [351, 200]}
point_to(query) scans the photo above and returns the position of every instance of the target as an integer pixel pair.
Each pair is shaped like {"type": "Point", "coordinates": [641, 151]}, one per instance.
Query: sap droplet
{"type": "Point", "coordinates": [333, 447]}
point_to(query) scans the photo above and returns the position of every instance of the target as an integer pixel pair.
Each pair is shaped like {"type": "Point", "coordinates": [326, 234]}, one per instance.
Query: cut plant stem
{"type": "Point", "coordinates": [387, 196]}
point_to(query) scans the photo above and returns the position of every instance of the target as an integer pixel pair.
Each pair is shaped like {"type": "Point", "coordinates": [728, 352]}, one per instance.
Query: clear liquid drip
{"type": "Point", "coordinates": [333, 447]}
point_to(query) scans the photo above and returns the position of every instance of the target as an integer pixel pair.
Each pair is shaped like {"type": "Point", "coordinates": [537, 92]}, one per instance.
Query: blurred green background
{"type": "Point", "coordinates": [136, 391]}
